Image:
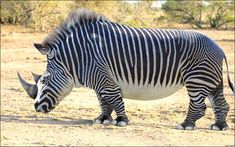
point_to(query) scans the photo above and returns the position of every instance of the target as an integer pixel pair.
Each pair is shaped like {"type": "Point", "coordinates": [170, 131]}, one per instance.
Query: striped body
{"type": "Point", "coordinates": [140, 60]}
{"type": "Point", "coordinates": [119, 61]}
{"type": "Point", "coordinates": [145, 63]}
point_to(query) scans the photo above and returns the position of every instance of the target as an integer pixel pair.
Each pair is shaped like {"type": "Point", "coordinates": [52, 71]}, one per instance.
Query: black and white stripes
{"type": "Point", "coordinates": [120, 61]}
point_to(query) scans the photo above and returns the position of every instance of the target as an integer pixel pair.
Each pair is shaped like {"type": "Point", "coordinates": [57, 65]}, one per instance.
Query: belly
{"type": "Point", "coordinates": [148, 93]}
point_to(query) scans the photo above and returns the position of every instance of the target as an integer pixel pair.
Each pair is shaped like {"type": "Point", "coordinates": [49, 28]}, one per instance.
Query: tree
{"type": "Point", "coordinates": [213, 14]}
{"type": "Point", "coordinates": [220, 13]}
{"type": "Point", "coordinates": [16, 12]}
{"type": "Point", "coordinates": [185, 11]}
{"type": "Point", "coordinates": [40, 15]}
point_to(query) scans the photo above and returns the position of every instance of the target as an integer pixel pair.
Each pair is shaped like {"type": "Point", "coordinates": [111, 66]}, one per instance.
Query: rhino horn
{"type": "Point", "coordinates": [36, 77]}
{"type": "Point", "coordinates": [29, 88]}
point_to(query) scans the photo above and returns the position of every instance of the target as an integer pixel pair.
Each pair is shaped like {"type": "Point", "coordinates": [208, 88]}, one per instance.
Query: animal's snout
{"type": "Point", "coordinates": [36, 107]}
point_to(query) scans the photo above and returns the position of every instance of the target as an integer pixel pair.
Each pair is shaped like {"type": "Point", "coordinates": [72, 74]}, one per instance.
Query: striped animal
{"type": "Point", "coordinates": [120, 61]}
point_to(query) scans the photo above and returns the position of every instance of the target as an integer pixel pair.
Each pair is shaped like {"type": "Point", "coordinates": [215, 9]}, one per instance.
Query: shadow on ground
{"type": "Point", "coordinates": [44, 120]}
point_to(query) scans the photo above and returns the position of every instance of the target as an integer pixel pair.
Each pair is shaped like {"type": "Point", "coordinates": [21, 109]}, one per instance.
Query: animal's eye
{"type": "Point", "coordinates": [43, 81]}
{"type": "Point", "coordinates": [45, 78]}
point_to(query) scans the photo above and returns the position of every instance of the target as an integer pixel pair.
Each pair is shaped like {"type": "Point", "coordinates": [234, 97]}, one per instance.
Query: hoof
{"type": "Point", "coordinates": [114, 122]}
{"type": "Point", "coordinates": [120, 121]}
{"type": "Point", "coordinates": [186, 126]}
{"type": "Point", "coordinates": [219, 126]}
{"type": "Point", "coordinates": [103, 119]}
{"type": "Point", "coordinates": [180, 127]}
{"type": "Point", "coordinates": [106, 122]}
{"type": "Point", "coordinates": [97, 121]}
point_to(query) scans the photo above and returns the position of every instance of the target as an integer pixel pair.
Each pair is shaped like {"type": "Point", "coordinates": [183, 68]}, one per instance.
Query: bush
{"type": "Point", "coordinates": [200, 14]}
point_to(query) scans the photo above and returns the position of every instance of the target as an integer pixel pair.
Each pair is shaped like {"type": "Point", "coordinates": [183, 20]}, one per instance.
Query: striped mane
{"type": "Point", "coordinates": [78, 16]}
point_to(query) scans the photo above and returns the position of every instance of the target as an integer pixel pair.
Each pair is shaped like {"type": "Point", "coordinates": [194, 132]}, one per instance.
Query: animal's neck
{"type": "Point", "coordinates": [78, 52]}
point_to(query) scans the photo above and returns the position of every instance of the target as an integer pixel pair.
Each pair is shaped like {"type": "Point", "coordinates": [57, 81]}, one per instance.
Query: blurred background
{"type": "Point", "coordinates": [198, 14]}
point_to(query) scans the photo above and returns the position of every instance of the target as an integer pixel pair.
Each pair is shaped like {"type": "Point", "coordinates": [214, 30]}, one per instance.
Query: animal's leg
{"type": "Point", "coordinates": [112, 96]}
{"type": "Point", "coordinates": [197, 91]}
{"type": "Point", "coordinates": [220, 108]}
{"type": "Point", "coordinates": [106, 111]}
{"type": "Point", "coordinates": [196, 110]}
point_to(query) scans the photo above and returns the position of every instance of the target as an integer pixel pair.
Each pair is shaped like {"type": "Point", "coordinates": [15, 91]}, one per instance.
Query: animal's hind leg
{"type": "Point", "coordinates": [220, 108]}
{"type": "Point", "coordinates": [197, 93]}
{"type": "Point", "coordinates": [196, 110]}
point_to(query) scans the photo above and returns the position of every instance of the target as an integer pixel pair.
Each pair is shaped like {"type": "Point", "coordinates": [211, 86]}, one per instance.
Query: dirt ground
{"type": "Point", "coordinates": [70, 123]}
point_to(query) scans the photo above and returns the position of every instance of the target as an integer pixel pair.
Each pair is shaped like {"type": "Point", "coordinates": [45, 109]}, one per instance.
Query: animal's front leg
{"type": "Point", "coordinates": [106, 111]}
{"type": "Point", "coordinates": [112, 96]}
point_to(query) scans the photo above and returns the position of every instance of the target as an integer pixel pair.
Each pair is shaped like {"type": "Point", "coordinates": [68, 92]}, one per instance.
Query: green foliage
{"type": "Point", "coordinates": [213, 14]}
{"type": "Point", "coordinates": [220, 13]}
{"type": "Point", "coordinates": [185, 12]}
{"type": "Point", "coordinates": [16, 12]}
{"type": "Point", "coordinates": [46, 15]}
{"type": "Point", "coordinates": [39, 15]}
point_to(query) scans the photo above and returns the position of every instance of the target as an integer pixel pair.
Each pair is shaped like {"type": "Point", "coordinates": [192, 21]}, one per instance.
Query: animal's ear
{"type": "Point", "coordinates": [43, 49]}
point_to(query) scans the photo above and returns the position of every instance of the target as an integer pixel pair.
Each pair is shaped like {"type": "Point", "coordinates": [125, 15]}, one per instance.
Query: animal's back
{"type": "Point", "coordinates": [149, 63]}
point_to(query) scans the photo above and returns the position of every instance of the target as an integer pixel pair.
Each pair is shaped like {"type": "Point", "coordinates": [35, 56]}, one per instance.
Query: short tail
{"type": "Point", "coordinates": [231, 85]}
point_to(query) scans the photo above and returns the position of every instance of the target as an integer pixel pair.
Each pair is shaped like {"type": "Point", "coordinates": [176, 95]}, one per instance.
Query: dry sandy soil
{"type": "Point", "coordinates": [153, 122]}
